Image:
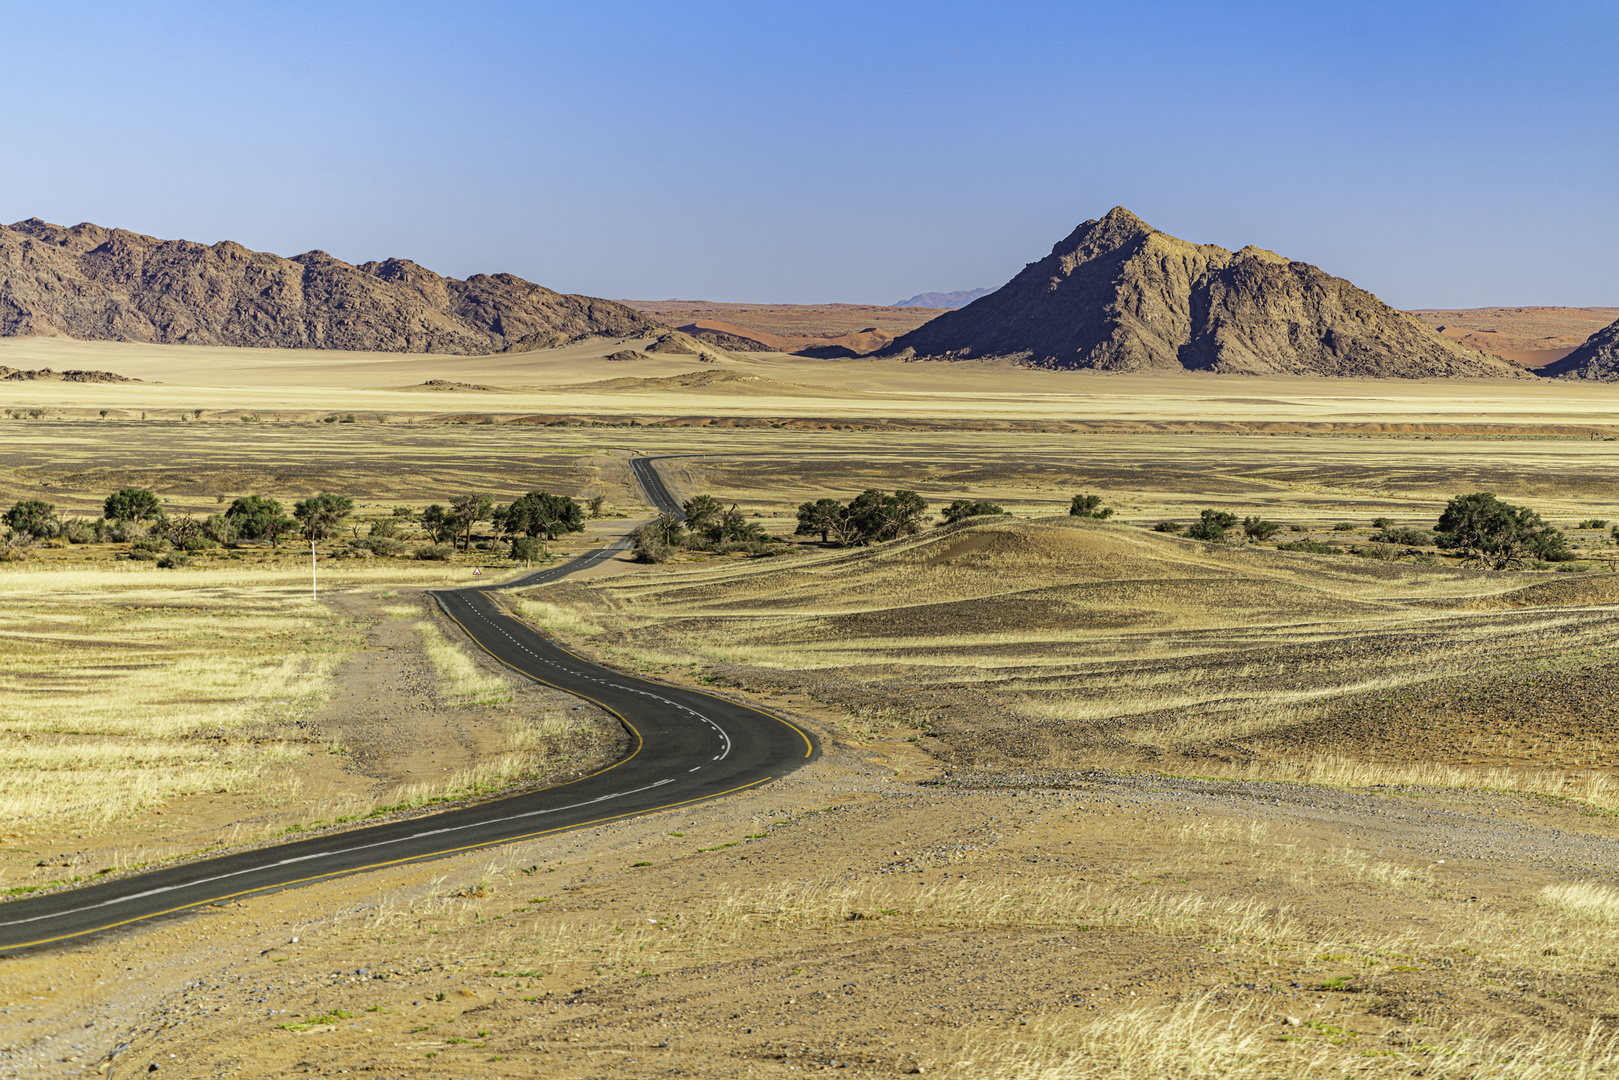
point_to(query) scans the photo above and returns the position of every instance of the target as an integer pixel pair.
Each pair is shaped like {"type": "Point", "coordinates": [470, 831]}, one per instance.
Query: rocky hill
{"type": "Point", "coordinates": [1118, 295]}
{"type": "Point", "coordinates": [1597, 359]}
{"type": "Point", "coordinates": [98, 284]}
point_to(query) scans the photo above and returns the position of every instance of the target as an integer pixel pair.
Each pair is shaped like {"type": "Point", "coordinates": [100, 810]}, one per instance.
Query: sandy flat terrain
{"type": "Point", "coordinates": [295, 384]}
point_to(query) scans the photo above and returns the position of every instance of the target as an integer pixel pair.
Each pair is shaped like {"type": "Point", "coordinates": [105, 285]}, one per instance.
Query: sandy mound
{"type": "Point", "coordinates": [446, 385]}
{"type": "Point", "coordinates": [1584, 591]}
{"type": "Point", "coordinates": [1046, 576]}
{"type": "Point", "coordinates": [717, 382]}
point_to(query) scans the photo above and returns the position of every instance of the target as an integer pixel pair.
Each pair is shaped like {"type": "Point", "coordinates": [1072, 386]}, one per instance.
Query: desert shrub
{"type": "Point", "coordinates": [157, 545]}
{"type": "Point", "coordinates": [1211, 526]}
{"type": "Point", "coordinates": [1167, 527]}
{"type": "Point", "coordinates": [35, 517]}
{"type": "Point", "coordinates": [381, 545]}
{"type": "Point", "coordinates": [1296, 527]}
{"type": "Point", "coordinates": [1344, 526]}
{"type": "Point", "coordinates": [386, 529]}
{"type": "Point", "coordinates": [79, 531]}
{"type": "Point", "coordinates": [1313, 547]}
{"type": "Point", "coordinates": [174, 560]}
{"type": "Point", "coordinates": [199, 542]}
{"type": "Point", "coordinates": [597, 505]}
{"type": "Point", "coordinates": [1388, 534]}
{"type": "Point", "coordinates": [1089, 506]}
{"type": "Point", "coordinates": [1593, 523]}
{"type": "Point", "coordinates": [651, 545]}
{"type": "Point", "coordinates": [17, 547]}
{"type": "Point", "coordinates": [439, 552]}
{"type": "Point", "coordinates": [962, 509]}
{"type": "Point", "coordinates": [121, 532]}
{"type": "Point", "coordinates": [1257, 528]}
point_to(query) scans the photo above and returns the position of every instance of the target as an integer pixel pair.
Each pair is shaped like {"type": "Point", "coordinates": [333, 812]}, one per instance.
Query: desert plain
{"type": "Point", "coordinates": [1096, 799]}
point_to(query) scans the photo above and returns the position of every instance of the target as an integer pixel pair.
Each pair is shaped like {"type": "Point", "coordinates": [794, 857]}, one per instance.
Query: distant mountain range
{"type": "Point", "coordinates": [1118, 295]}
{"type": "Point", "coordinates": [100, 284]}
{"type": "Point", "coordinates": [944, 299]}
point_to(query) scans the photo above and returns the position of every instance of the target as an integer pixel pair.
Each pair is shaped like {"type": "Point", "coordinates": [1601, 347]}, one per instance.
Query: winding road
{"type": "Point", "coordinates": [685, 747]}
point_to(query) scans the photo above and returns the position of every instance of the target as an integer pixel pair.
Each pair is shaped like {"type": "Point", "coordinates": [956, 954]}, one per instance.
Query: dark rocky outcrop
{"type": "Point", "coordinates": [1596, 360]}
{"type": "Point", "coordinates": [98, 284]}
{"type": "Point", "coordinates": [1118, 295]}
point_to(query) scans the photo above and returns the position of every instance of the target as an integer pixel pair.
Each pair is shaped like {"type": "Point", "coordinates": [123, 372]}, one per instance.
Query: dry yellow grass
{"type": "Point", "coordinates": [122, 688]}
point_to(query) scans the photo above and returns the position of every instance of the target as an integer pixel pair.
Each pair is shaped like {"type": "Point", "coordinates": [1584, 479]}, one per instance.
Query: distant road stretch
{"type": "Point", "coordinates": [685, 746]}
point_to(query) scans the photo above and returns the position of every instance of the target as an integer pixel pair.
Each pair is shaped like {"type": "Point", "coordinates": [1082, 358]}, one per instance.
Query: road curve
{"type": "Point", "coordinates": [685, 746]}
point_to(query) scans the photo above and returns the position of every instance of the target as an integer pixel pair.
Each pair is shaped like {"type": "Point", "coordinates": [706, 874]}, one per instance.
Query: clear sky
{"type": "Point", "coordinates": [1440, 154]}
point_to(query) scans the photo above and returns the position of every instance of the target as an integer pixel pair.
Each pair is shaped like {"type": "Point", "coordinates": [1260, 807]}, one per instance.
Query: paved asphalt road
{"type": "Point", "coordinates": [685, 746]}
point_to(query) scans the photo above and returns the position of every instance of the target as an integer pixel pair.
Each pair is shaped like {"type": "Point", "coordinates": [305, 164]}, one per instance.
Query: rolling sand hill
{"type": "Point", "coordinates": [1531, 336]}
{"type": "Point", "coordinates": [98, 284]}
{"type": "Point", "coordinates": [1118, 295]}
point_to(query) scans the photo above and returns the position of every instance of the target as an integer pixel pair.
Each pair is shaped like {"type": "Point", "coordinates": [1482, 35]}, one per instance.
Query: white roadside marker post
{"type": "Point", "coordinates": [314, 593]}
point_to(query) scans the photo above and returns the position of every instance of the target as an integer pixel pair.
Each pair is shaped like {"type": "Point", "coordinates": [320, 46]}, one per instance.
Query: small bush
{"type": "Point", "coordinates": [439, 552]}
{"type": "Point", "coordinates": [1167, 527]}
{"type": "Point", "coordinates": [1344, 526]}
{"type": "Point", "coordinates": [1313, 547]}
{"type": "Point", "coordinates": [381, 545]}
{"type": "Point", "coordinates": [1089, 506]}
{"type": "Point", "coordinates": [79, 531]}
{"type": "Point", "coordinates": [154, 544]}
{"type": "Point", "coordinates": [1593, 523]}
{"type": "Point", "coordinates": [1257, 528]}
{"type": "Point", "coordinates": [173, 561]}
{"type": "Point", "coordinates": [1211, 526]}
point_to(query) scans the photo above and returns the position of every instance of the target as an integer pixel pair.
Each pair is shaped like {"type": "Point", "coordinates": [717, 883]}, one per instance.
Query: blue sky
{"type": "Point", "coordinates": [1440, 154]}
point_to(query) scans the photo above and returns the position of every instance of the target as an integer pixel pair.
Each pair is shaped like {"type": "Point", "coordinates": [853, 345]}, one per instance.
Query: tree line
{"type": "Point", "coordinates": [137, 516]}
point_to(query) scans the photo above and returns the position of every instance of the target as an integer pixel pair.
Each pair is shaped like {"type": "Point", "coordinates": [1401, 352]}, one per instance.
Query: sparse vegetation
{"type": "Point", "coordinates": [1089, 506]}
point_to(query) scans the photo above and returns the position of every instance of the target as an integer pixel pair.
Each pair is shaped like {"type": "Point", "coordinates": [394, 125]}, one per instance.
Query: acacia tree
{"type": "Point", "coordinates": [540, 512]}
{"type": "Point", "coordinates": [254, 517]}
{"type": "Point", "coordinates": [439, 523]}
{"type": "Point", "coordinates": [132, 504]}
{"type": "Point", "coordinates": [322, 515]}
{"type": "Point", "coordinates": [881, 516]}
{"type": "Point", "coordinates": [820, 516]}
{"type": "Point", "coordinates": [1498, 534]}
{"type": "Point", "coordinates": [1089, 506]}
{"type": "Point", "coordinates": [467, 511]}
{"type": "Point", "coordinates": [700, 510]}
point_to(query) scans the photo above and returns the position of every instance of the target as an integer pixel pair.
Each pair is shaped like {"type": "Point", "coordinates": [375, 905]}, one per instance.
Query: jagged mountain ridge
{"type": "Point", "coordinates": [1596, 360]}
{"type": "Point", "coordinates": [959, 298]}
{"type": "Point", "coordinates": [99, 284]}
{"type": "Point", "coordinates": [1118, 295]}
